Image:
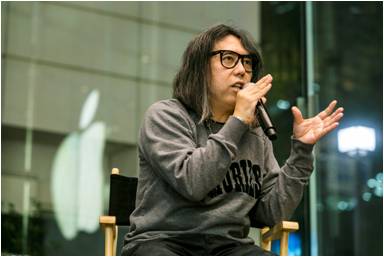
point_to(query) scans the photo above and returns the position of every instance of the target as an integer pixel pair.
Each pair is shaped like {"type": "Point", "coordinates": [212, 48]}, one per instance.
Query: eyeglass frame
{"type": "Point", "coordinates": [241, 57]}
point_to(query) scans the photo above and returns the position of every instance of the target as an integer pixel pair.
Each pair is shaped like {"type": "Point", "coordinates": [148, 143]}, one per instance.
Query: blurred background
{"type": "Point", "coordinates": [77, 77]}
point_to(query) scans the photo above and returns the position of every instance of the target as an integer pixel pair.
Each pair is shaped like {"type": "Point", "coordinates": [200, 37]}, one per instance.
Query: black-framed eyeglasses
{"type": "Point", "coordinates": [229, 59]}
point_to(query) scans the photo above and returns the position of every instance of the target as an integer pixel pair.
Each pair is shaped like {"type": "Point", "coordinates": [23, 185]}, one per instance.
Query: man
{"type": "Point", "coordinates": [207, 171]}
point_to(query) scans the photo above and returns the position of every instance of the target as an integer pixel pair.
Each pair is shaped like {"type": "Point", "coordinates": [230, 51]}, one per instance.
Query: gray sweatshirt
{"type": "Point", "coordinates": [211, 178]}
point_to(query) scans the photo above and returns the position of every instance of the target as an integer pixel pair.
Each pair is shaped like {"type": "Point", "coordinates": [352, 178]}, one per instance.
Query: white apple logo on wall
{"type": "Point", "coordinates": [77, 174]}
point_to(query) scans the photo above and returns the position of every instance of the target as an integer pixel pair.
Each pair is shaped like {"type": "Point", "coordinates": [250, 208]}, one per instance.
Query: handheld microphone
{"type": "Point", "coordinates": [265, 121]}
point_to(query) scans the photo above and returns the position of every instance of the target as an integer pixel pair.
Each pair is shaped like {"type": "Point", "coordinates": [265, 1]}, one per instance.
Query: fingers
{"type": "Point", "coordinates": [266, 79]}
{"type": "Point", "coordinates": [261, 87]}
{"type": "Point", "coordinates": [328, 111]}
{"type": "Point", "coordinates": [263, 91]}
{"type": "Point", "coordinates": [331, 122]}
{"type": "Point", "coordinates": [297, 116]}
{"type": "Point", "coordinates": [335, 117]}
{"type": "Point", "coordinates": [264, 100]}
{"type": "Point", "coordinates": [328, 129]}
{"type": "Point", "coordinates": [256, 92]}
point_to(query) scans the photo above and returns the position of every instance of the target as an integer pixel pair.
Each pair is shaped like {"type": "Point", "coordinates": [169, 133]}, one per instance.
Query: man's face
{"type": "Point", "coordinates": [225, 83]}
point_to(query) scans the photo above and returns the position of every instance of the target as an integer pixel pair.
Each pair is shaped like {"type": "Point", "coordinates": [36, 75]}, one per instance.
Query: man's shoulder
{"type": "Point", "coordinates": [168, 105]}
{"type": "Point", "coordinates": [168, 108]}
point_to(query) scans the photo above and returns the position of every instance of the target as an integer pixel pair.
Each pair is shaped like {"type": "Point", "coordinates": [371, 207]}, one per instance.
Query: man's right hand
{"type": "Point", "coordinates": [248, 97]}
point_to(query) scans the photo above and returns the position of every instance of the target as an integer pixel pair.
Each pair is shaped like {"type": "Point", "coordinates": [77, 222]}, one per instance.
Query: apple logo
{"type": "Point", "coordinates": [77, 174]}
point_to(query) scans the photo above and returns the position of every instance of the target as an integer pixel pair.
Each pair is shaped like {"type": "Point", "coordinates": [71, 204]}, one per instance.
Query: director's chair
{"type": "Point", "coordinates": [122, 203]}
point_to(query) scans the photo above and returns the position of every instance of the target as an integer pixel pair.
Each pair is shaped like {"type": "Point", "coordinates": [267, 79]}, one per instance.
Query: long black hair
{"type": "Point", "coordinates": [191, 83]}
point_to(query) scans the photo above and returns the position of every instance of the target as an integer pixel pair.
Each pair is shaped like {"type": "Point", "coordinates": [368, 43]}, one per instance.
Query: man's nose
{"type": "Point", "coordinates": [239, 67]}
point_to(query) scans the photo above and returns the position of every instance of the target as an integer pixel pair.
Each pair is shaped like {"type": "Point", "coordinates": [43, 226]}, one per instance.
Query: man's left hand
{"type": "Point", "coordinates": [310, 130]}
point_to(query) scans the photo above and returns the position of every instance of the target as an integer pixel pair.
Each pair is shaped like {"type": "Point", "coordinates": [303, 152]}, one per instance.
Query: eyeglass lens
{"type": "Point", "coordinates": [230, 60]}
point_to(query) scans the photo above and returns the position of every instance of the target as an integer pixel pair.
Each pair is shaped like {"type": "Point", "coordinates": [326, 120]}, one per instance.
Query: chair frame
{"type": "Point", "coordinates": [279, 232]}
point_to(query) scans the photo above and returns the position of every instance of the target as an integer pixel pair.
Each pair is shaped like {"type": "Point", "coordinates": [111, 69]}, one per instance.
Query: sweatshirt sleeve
{"type": "Point", "coordinates": [282, 188]}
{"type": "Point", "coordinates": [168, 142]}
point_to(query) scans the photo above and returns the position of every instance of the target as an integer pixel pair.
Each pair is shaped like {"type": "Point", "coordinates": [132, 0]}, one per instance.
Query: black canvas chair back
{"type": "Point", "coordinates": [122, 198]}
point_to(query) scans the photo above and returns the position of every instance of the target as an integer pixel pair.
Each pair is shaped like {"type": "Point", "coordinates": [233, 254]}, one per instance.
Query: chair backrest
{"type": "Point", "coordinates": [122, 198]}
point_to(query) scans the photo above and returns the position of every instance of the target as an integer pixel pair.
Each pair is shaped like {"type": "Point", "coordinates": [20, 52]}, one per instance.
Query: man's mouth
{"type": "Point", "coordinates": [238, 85]}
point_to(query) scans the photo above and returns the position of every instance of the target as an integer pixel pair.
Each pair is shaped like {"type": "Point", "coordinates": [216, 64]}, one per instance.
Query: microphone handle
{"type": "Point", "coordinates": [265, 121]}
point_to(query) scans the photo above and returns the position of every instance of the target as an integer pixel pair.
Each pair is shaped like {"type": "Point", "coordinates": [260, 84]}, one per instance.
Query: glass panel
{"type": "Point", "coordinates": [348, 67]}
{"type": "Point", "coordinates": [283, 55]}
{"type": "Point", "coordinates": [77, 78]}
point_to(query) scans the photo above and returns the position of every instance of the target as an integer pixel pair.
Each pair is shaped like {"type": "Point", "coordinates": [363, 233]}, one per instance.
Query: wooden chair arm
{"type": "Point", "coordinates": [279, 231]}
{"type": "Point", "coordinates": [107, 220]}
{"type": "Point", "coordinates": [109, 224]}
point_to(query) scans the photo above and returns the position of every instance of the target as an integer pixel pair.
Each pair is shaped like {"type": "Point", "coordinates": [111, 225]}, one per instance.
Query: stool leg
{"type": "Point", "coordinates": [284, 244]}
{"type": "Point", "coordinates": [115, 240]}
{"type": "Point", "coordinates": [266, 245]}
{"type": "Point", "coordinates": [109, 240]}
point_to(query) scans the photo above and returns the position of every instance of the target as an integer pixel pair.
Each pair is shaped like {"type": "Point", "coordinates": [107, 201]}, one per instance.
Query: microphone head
{"type": "Point", "coordinates": [271, 133]}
